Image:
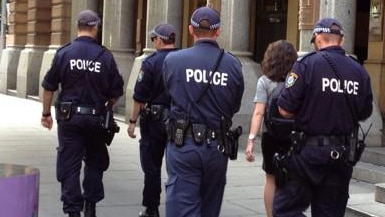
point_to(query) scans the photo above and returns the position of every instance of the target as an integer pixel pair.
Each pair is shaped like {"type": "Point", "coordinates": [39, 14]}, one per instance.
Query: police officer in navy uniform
{"type": "Point", "coordinates": [88, 78]}
{"type": "Point", "coordinates": [328, 93]}
{"type": "Point", "coordinates": [152, 102]}
{"type": "Point", "coordinates": [200, 95]}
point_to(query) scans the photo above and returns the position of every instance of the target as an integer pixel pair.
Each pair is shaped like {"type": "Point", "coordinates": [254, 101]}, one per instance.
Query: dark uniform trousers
{"type": "Point", "coordinates": [316, 178]}
{"type": "Point", "coordinates": [197, 178]}
{"type": "Point", "coordinates": [81, 138]}
{"type": "Point", "coordinates": [152, 145]}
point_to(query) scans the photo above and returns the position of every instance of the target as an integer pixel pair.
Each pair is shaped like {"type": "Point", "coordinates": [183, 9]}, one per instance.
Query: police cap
{"type": "Point", "coordinates": [206, 13]}
{"type": "Point", "coordinates": [87, 18]}
{"type": "Point", "coordinates": [327, 25]}
{"type": "Point", "coordinates": [164, 31]}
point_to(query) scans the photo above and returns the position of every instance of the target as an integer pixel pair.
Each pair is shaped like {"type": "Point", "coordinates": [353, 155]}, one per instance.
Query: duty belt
{"type": "Point", "coordinates": [88, 110]}
{"type": "Point", "coordinates": [325, 140]}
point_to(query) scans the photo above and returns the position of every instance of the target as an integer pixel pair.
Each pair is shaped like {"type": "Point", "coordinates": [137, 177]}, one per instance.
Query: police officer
{"type": "Point", "coordinates": [88, 78]}
{"type": "Point", "coordinates": [327, 93]}
{"type": "Point", "coordinates": [152, 102]}
{"type": "Point", "coordinates": [200, 95]}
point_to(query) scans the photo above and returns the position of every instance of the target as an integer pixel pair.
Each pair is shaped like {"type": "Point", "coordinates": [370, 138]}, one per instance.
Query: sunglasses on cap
{"type": "Point", "coordinates": [153, 38]}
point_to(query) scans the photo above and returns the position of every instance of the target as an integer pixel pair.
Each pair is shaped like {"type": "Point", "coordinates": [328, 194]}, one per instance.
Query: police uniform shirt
{"type": "Point", "coordinates": [87, 73]}
{"type": "Point", "coordinates": [316, 96]}
{"type": "Point", "coordinates": [186, 73]}
{"type": "Point", "coordinates": [149, 87]}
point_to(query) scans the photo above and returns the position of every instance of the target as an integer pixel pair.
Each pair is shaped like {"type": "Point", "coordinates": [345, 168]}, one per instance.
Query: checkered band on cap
{"type": "Point", "coordinates": [164, 31]}
{"type": "Point", "coordinates": [87, 18]}
{"type": "Point", "coordinates": [325, 26]}
{"type": "Point", "coordinates": [206, 13]}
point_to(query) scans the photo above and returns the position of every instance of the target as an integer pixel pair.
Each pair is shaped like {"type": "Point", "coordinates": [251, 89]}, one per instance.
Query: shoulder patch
{"type": "Point", "coordinates": [140, 76]}
{"type": "Point", "coordinates": [291, 79]}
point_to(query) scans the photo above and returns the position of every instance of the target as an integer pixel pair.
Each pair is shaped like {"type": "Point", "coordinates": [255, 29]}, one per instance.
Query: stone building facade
{"type": "Point", "coordinates": [37, 28]}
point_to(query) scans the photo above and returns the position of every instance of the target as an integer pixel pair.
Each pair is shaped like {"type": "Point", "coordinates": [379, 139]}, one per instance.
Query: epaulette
{"type": "Point", "coordinates": [304, 55]}
{"type": "Point", "coordinates": [235, 57]}
{"type": "Point", "coordinates": [66, 45]}
{"type": "Point", "coordinates": [353, 57]}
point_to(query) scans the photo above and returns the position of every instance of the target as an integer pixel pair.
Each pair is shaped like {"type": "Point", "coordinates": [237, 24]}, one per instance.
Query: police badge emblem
{"type": "Point", "coordinates": [140, 76]}
{"type": "Point", "coordinates": [291, 79]}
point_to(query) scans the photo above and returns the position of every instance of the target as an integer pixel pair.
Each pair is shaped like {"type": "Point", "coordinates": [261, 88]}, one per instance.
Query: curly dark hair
{"type": "Point", "coordinates": [278, 60]}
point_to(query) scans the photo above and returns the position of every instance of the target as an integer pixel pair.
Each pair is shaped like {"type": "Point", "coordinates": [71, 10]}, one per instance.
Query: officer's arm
{"type": "Point", "coordinates": [285, 113]}
{"type": "Point", "coordinates": [47, 101]}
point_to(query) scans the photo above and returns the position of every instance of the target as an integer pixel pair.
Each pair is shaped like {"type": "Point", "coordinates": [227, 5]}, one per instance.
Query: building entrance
{"type": "Point", "coordinates": [271, 24]}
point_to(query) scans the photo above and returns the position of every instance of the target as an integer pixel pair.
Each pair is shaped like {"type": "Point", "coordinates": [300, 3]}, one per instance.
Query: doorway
{"type": "Point", "coordinates": [361, 35]}
{"type": "Point", "coordinates": [271, 24]}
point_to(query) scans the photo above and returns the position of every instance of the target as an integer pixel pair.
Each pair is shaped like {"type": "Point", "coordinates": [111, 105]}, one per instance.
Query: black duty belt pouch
{"type": "Point", "coordinates": [156, 112]}
{"type": "Point", "coordinates": [63, 111]}
{"type": "Point", "coordinates": [181, 126]}
{"type": "Point", "coordinates": [199, 132]}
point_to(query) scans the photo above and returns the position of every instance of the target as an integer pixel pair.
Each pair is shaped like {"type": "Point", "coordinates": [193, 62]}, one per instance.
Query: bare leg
{"type": "Point", "coordinates": [269, 194]}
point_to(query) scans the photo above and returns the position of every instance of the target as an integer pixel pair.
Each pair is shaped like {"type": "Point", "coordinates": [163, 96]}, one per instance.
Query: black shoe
{"type": "Point", "coordinates": [89, 210]}
{"type": "Point", "coordinates": [149, 213]}
{"type": "Point", "coordinates": [74, 214]}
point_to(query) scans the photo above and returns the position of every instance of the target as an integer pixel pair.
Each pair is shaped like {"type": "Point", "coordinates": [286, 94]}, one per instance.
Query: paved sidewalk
{"type": "Point", "coordinates": [23, 141]}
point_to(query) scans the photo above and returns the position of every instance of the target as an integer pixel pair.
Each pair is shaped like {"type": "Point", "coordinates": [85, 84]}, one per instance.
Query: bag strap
{"type": "Point", "coordinates": [334, 68]}
{"type": "Point", "coordinates": [211, 75]}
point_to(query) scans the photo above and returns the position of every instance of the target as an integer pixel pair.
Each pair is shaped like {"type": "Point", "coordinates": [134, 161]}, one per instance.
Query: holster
{"type": "Point", "coordinates": [230, 138]}
{"type": "Point", "coordinates": [280, 168]}
{"type": "Point", "coordinates": [63, 110]}
{"type": "Point", "coordinates": [356, 148]}
{"type": "Point", "coordinates": [109, 125]}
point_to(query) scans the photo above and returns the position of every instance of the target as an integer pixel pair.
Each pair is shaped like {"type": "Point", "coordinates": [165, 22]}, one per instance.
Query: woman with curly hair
{"type": "Point", "coordinates": [277, 62]}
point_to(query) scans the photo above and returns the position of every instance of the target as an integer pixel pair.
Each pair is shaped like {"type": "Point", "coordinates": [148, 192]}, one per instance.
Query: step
{"type": "Point", "coordinates": [374, 155]}
{"type": "Point", "coordinates": [361, 201]}
{"type": "Point", "coordinates": [369, 173]}
{"type": "Point", "coordinates": [372, 209]}
{"type": "Point", "coordinates": [379, 194]}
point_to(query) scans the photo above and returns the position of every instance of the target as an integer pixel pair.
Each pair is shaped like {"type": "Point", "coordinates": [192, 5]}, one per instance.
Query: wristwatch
{"type": "Point", "coordinates": [46, 114]}
{"type": "Point", "coordinates": [132, 121]}
{"type": "Point", "coordinates": [251, 136]}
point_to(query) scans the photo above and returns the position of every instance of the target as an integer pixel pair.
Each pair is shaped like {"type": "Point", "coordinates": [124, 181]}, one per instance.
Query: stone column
{"type": "Point", "coordinates": [118, 36]}
{"type": "Point", "coordinates": [38, 37]}
{"type": "Point", "coordinates": [235, 38]}
{"type": "Point", "coordinates": [308, 16]}
{"type": "Point", "coordinates": [159, 11]}
{"type": "Point", "coordinates": [345, 12]}
{"type": "Point", "coordinates": [16, 39]}
{"type": "Point", "coordinates": [78, 6]}
{"type": "Point", "coordinates": [60, 35]}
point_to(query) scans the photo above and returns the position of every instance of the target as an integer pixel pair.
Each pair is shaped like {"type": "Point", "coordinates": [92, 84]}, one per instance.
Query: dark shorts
{"type": "Point", "coordinates": [269, 147]}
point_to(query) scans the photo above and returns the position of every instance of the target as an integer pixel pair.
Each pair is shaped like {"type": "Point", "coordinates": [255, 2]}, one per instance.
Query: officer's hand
{"type": "Point", "coordinates": [250, 151]}
{"type": "Point", "coordinates": [47, 122]}
{"type": "Point", "coordinates": [131, 130]}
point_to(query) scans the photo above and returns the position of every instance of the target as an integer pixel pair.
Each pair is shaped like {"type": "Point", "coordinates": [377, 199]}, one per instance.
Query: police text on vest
{"type": "Point", "coordinates": [92, 66]}
{"type": "Point", "coordinates": [334, 85]}
{"type": "Point", "coordinates": [200, 76]}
